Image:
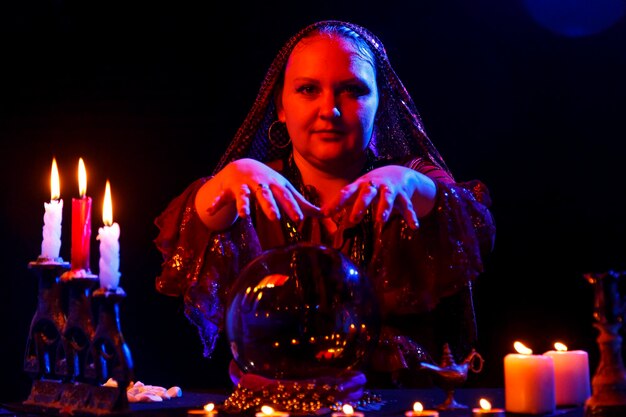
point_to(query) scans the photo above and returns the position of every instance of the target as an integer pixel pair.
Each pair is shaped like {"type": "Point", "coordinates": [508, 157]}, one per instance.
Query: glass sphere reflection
{"type": "Point", "coordinates": [301, 311]}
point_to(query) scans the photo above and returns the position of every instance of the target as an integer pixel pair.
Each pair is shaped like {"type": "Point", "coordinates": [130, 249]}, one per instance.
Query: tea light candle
{"type": "Point", "coordinates": [571, 375]}
{"type": "Point", "coordinates": [529, 386]}
{"type": "Point", "coordinates": [51, 243]}
{"type": "Point", "coordinates": [347, 411]}
{"type": "Point", "coordinates": [81, 223]}
{"type": "Point", "coordinates": [208, 410]}
{"type": "Point", "coordinates": [108, 235]}
{"type": "Point", "coordinates": [418, 410]}
{"type": "Point", "coordinates": [267, 411]}
{"type": "Point", "coordinates": [485, 410]}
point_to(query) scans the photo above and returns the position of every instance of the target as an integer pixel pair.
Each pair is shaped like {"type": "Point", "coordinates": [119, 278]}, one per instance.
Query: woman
{"type": "Point", "coordinates": [333, 151]}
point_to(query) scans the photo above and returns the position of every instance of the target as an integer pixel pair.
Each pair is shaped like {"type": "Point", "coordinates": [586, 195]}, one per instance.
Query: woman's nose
{"type": "Point", "coordinates": [329, 107]}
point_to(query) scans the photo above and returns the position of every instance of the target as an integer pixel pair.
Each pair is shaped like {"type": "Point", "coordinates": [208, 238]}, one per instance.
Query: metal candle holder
{"type": "Point", "coordinates": [75, 344]}
{"type": "Point", "coordinates": [609, 381]}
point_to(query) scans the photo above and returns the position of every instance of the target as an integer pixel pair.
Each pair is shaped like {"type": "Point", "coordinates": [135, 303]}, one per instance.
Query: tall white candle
{"type": "Point", "coordinates": [51, 243]}
{"type": "Point", "coordinates": [529, 386]}
{"type": "Point", "coordinates": [109, 236]}
{"type": "Point", "coordinates": [571, 375]}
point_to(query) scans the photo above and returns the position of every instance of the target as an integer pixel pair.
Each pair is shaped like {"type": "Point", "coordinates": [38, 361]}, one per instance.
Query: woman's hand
{"type": "Point", "coordinates": [389, 189]}
{"type": "Point", "coordinates": [230, 192]}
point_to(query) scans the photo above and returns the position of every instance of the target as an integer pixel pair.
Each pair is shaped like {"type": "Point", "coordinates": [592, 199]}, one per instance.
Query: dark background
{"type": "Point", "coordinates": [149, 94]}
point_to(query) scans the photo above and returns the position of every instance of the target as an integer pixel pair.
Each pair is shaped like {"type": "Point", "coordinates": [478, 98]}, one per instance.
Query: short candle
{"type": "Point", "coordinates": [571, 375]}
{"type": "Point", "coordinates": [418, 410]}
{"type": "Point", "coordinates": [485, 410]}
{"type": "Point", "coordinates": [347, 411]}
{"type": "Point", "coordinates": [208, 410]}
{"type": "Point", "coordinates": [267, 411]}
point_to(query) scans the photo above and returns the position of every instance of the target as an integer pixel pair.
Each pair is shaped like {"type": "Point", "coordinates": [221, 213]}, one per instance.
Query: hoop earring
{"type": "Point", "coordinates": [275, 143]}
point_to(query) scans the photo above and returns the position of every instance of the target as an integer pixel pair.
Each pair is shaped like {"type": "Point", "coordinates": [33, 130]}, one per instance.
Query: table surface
{"type": "Point", "coordinates": [394, 404]}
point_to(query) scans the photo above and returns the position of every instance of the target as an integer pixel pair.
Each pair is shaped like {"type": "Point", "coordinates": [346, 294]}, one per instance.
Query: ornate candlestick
{"type": "Point", "coordinates": [609, 382]}
{"type": "Point", "coordinates": [44, 337]}
{"type": "Point", "coordinates": [79, 329]}
{"type": "Point", "coordinates": [112, 356]}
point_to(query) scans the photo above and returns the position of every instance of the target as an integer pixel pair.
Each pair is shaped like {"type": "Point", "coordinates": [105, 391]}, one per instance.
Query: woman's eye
{"type": "Point", "coordinates": [306, 89]}
{"type": "Point", "coordinates": [356, 90]}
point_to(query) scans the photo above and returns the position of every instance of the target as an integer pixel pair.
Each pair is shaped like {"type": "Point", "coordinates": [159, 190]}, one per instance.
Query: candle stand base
{"type": "Point", "coordinates": [48, 396]}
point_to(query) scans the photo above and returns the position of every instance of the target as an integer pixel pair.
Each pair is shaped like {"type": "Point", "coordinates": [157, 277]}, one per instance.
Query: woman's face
{"type": "Point", "coordinates": [328, 102]}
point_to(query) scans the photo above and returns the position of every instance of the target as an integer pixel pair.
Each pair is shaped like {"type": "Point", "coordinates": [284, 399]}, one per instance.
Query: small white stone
{"type": "Point", "coordinates": [175, 392]}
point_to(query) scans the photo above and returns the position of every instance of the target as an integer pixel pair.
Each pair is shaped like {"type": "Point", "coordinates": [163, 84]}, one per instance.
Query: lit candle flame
{"type": "Point", "coordinates": [267, 410]}
{"type": "Point", "coordinates": [55, 187]}
{"type": "Point", "coordinates": [347, 409]}
{"type": "Point", "coordinates": [560, 347]}
{"type": "Point", "coordinates": [485, 404]}
{"type": "Point", "coordinates": [209, 407]}
{"type": "Point", "coordinates": [82, 178]}
{"type": "Point", "coordinates": [521, 348]}
{"type": "Point", "coordinates": [418, 407]}
{"type": "Point", "coordinates": [107, 207]}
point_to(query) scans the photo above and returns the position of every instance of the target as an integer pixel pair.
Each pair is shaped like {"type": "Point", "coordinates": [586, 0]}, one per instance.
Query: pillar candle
{"type": "Point", "coordinates": [571, 375]}
{"type": "Point", "coordinates": [109, 235]}
{"type": "Point", "coordinates": [51, 243]}
{"type": "Point", "coordinates": [529, 386]}
{"type": "Point", "coordinates": [81, 223]}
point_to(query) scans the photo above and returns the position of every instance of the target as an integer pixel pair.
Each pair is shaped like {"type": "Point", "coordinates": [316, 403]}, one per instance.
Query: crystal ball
{"type": "Point", "coordinates": [301, 311]}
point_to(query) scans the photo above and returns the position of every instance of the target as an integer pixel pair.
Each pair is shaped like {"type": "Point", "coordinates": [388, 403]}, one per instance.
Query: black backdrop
{"type": "Point", "coordinates": [148, 95]}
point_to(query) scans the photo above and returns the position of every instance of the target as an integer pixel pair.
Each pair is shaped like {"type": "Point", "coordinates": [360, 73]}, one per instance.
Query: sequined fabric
{"type": "Point", "coordinates": [416, 272]}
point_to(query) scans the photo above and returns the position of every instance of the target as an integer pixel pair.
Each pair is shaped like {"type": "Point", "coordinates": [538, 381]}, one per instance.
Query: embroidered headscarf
{"type": "Point", "coordinates": [398, 127]}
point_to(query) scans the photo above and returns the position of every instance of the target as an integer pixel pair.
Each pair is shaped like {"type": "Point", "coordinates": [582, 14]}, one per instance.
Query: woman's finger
{"type": "Point", "coordinates": [405, 206]}
{"type": "Point", "coordinates": [243, 201]}
{"type": "Point", "coordinates": [305, 208]}
{"type": "Point", "coordinates": [344, 198]}
{"type": "Point", "coordinates": [368, 190]}
{"type": "Point", "coordinates": [386, 198]}
{"type": "Point", "coordinates": [265, 199]}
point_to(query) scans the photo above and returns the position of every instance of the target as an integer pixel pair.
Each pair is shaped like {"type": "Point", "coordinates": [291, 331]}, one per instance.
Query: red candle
{"type": "Point", "coordinates": [81, 223]}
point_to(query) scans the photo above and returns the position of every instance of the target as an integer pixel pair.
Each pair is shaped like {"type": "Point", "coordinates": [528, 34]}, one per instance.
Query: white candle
{"type": "Point", "coordinates": [571, 375]}
{"type": "Point", "coordinates": [529, 386]}
{"type": "Point", "coordinates": [418, 411]}
{"type": "Point", "coordinates": [485, 410]}
{"type": "Point", "coordinates": [51, 243]}
{"type": "Point", "coordinates": [109, 245]}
